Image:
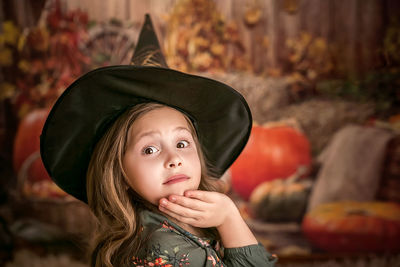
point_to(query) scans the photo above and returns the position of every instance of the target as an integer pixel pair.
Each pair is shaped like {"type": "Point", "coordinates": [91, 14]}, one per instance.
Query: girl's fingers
{"type": "Point", "coordinates": [191, 203]}
{"type": "Point", "coordinates": [178, 217]}
{"type": "Point", "coordinates": [205, 196]}
{"type": "Point", "coordinates": [179, 210]}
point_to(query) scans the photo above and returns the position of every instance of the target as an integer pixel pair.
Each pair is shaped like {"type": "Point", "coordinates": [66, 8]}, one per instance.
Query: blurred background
{"type": "Point", "coordinates": [318, 182]}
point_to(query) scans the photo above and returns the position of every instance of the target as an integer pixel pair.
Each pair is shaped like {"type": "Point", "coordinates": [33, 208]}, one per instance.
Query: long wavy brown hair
{"type": "Point", "coordinates": [116, 205]}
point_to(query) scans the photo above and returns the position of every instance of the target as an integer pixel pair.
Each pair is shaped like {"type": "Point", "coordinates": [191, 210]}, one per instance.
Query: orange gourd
{"type": "Point", "coordinates": [33, 178]}
{"type": "Point", "coordinates": [27, 143]}
{"type": "Point", "coordinates": [354, 227]}
{"type": "Point", "coordinates": [271, 153]}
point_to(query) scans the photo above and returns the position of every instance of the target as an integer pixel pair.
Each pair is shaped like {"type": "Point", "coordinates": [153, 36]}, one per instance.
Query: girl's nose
{"type": "Point", "coordinates": [174, 164]}
{"type": "Point", "coordinates": [173, 161]}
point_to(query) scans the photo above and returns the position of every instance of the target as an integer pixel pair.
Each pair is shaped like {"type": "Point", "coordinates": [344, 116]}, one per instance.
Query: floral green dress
{"type": "Point", "coordinates": [171, 246]}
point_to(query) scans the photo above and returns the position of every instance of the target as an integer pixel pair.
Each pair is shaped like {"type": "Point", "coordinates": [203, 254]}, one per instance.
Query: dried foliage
{"type": "Point", "coordinates": [309, 59]}
{"type": "Point", "coordinates": [199, 39]}
{"type": "Point", "coordinates": [8, 46]}
{"type": "Point", "coordinates": [252, 15]}
{"type": "Point", "coordinates": [391, 44]}
{"type": "Point", "coordinates": [380, 86]}
{"type": "Point", "coordinates": [38, 63]}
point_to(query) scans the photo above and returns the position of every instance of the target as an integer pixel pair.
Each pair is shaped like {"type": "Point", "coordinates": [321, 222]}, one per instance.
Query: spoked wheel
{"type": "Point", "coordinates": [110, 45]}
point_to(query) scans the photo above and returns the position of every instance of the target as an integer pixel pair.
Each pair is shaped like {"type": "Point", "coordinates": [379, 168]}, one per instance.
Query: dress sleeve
{"type": "Point", "coordinates": [253, 255]}
{"type": "Point", "coordinates": [170, 249]}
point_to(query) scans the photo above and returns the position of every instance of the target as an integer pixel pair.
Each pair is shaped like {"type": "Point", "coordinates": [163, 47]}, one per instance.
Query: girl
{"type": "Point", "coordinates": [143, 146]}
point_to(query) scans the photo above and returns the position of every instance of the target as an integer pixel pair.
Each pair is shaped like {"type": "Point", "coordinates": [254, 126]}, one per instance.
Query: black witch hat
{"type": "Point", "coordinates": [90, 105]}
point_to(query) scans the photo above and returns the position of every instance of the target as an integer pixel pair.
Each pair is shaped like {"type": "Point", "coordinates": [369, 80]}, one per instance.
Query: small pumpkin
{"type": "Point", "coordinates": [354, 227]}
{"type": "Point", "coordinates": [281, 200]}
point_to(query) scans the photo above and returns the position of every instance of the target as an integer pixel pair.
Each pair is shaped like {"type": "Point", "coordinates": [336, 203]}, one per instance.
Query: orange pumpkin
{"type": "Point", "coordinates": [271, 153]}
{"type": "Point", "coordinates": [33, 177]}
{"type": "Point", "coordinates": [354, 227]}
{"type": "Point", "coordinates": [27, 143]}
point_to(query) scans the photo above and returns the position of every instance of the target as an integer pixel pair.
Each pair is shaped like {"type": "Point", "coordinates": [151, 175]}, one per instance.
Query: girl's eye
{"type": "Point", "coordinates": [182, 144]}
{"type": "Point", "coordinates": [150, 150]}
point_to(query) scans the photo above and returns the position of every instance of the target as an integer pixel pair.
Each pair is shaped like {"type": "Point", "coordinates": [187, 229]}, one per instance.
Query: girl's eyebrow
{"type": "Point", "coordinates": [150, 133]}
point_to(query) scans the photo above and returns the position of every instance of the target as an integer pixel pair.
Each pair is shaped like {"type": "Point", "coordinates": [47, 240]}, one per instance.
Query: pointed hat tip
{"type": "Point", "coordinates": [148, 23]}
{"type": "Point", "coordinates": [148, 51]}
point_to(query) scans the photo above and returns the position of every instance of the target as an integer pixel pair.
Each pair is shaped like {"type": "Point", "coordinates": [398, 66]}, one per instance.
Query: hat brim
{"type": "Point", "coordinates": [87, 107]}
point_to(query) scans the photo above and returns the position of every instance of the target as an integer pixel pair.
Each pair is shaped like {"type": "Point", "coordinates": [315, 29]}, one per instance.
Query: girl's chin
{"type": "Point", "coordinates": [180, 191]}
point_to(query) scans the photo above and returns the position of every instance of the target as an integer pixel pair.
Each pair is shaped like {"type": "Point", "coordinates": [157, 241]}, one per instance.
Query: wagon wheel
{"type": "Point", "coordinates": [109, 45]}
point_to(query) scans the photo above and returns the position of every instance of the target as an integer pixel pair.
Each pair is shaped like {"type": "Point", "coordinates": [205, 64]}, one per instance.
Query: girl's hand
{"type": "Point", "coordinates": [199, 208]}
{"type": "Point", "coordinates": [210, 209]}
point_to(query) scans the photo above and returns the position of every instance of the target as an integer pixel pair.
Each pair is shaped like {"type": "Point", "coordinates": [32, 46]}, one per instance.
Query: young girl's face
{"type": "Point", "coordinates": [161, 157]}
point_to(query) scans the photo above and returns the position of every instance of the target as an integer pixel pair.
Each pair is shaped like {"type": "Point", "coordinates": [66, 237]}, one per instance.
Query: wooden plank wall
{"type": "Point", "coordinates": [356, 27]}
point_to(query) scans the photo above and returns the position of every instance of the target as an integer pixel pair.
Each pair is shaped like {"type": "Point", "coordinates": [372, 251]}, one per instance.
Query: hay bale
{"type": "Point", "coordinates": [270, 99]}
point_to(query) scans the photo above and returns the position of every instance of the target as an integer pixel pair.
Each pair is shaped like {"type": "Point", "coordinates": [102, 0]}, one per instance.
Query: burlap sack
{"type": "Point", "coordinates": [351, 165]}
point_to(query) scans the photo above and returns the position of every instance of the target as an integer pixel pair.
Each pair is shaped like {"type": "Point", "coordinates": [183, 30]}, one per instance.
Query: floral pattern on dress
{"type": "Point", "coordinates": [215, 261]}
{"type": "Point", "coordinates": [157, 257]}
{"type": "Point", "coordinates": [205, 242]}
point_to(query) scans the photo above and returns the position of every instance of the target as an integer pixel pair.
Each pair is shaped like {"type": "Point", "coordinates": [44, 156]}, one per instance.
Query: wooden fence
{"type": "Point", "coordinates": [355, 27]}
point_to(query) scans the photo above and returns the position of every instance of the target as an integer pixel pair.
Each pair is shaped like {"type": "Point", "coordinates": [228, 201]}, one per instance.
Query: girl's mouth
{"type": "Point", "coordinates": [176, 179]}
